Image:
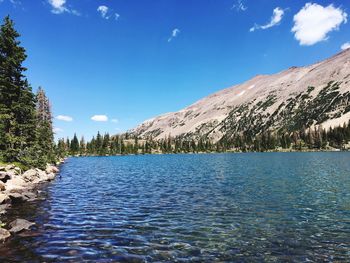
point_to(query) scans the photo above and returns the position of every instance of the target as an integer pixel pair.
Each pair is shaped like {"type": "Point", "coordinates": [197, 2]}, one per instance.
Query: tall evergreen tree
{"type": "Point", "coordinates": [45, 136]}
{"type": "Point", "coordinates": [17, 101]}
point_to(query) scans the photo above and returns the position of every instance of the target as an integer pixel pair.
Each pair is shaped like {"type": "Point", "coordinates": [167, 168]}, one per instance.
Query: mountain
{"type": "Point", "coordinates": [294, 99]}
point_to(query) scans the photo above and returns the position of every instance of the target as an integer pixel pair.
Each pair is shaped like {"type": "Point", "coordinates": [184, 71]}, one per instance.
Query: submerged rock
{"type": "Point", "coordinates": [18, 198]}
{"type": "Point", "coordinates": [4, 234]}
{"type": "Point", "coordinates": [19, 225]}
{"type": "Point", "coordinates": [3, 208]}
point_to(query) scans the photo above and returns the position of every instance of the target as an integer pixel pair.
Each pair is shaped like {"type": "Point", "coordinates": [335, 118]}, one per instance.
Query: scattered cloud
{"type": "Point", "coordinates": [174, 34]}
{"type": "Point", "coordinates": [115, 120]}
{"type": "Point", "coordinates": [60, 7]}
{"type": "Point", "coordinates": [314, 22]}
{"type": "Point", "coordinates": [276, 18]}
{"type": "Point", "coordinates": [64, 118]}
{"type": "Point", "coordinates": [57, 130]}
{"type": "Point", "coordinates": [103, 10]}
{"type": "Point", "coordinates": [345, 46]}
{"type": "Point", "coordinates": [107, 12]}
{"type": "Point", "coordinates": [239, 6]}
{"type": "Point", "coordinates": [13, 2]}
{"type": "Point", "coordinates": [99, 118]}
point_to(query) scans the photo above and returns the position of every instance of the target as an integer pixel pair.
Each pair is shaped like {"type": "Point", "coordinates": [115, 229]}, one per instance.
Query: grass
{"type": "Point", "coordinates": [18, 164]}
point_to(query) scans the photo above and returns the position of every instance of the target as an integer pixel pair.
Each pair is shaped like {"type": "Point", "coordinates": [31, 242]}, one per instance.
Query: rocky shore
{"type": "Point", "coordinates": [17, 186]}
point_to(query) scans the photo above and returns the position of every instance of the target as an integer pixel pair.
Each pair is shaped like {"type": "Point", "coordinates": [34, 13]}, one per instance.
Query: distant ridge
{"type": "Point", "coordinates": [296, 98]}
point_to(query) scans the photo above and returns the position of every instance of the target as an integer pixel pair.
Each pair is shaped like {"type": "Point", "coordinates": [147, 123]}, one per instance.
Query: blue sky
{"type": "Point", "coordinates": [129, 60]}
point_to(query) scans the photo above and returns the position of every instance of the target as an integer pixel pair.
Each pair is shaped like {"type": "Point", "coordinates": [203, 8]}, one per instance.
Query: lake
{"type": "Point", "coordinates": [248, 207]}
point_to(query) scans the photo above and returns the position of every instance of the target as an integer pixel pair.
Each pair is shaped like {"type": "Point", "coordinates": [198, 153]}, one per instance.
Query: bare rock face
{"type": "Point", "coordinates": [318, 94]}
{"type": "Point", "coordinates": [19, 225]}
{"type": "Point", "coordinates": [4, 234]}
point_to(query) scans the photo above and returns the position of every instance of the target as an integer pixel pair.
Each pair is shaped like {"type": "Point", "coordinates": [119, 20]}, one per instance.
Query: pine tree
{"type": "Point", "coordinates": [45, 136]}
{"type": "Point", "coordinates": [82, 146]}
{"type": "Point", "coordinates": [17, 101]}
{"type": "Point", "coordinates": [74, 145]}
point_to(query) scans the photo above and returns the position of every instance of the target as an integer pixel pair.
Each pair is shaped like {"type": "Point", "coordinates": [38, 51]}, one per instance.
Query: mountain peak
{"type": "Point", "coordinates": [298, 97]}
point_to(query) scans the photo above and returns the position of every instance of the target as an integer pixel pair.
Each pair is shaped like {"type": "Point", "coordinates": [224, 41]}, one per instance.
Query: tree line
{"type": "Point", "coordinates": [26, 134]}
{"type": "Point", "coordinates": [315, 138]}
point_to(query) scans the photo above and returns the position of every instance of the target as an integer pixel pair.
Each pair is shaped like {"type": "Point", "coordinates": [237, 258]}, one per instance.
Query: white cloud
{"type": "Point", "coordinates": [103, 10]}
{"type": "Point", "coordinates": [99, 118]}
{"type": "Point", "coordinates": [64, 118]}
{"type": "Point", "coordinates": [313, 23]}
{"type": "Point", "coordinates": [174, 34]}
{"type": "Point", "coordinates": [107, 13]}
{"type": "Point", "coordinates": [115, 120]}
{"type": "Point", "coordinates": [59, 7]}
{"type": "Point", "coordinates": [239, 6]}
{"type": "Point", "coordinates": [276, 18]}
{"type": "Point", "coordinates": [345, 46]}
{"type": "Point", "coordinates": [57, 130]}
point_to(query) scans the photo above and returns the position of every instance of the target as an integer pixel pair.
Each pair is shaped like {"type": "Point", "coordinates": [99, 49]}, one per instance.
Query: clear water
{"type": "Point", "coordinates": [254, 207]}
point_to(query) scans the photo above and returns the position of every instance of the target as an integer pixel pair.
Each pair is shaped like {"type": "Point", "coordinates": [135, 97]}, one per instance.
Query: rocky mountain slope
{"type": "Point", "coordinates": [293, 99]}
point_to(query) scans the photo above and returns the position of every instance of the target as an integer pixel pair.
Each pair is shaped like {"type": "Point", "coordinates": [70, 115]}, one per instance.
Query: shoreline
{"type": "Point", "coordinates": [17, 186]}
{"type": "Point", "coordinates": [217, 152]}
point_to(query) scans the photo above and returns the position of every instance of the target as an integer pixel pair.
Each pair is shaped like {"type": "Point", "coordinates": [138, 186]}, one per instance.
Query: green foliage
{"type": "Point", "coordinates": [26, 134]}
{"type": "Point", "coordinates": [17, 101]}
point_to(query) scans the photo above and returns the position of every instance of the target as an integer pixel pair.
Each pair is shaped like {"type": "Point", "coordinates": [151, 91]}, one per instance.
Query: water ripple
{"type": "Point", "coordinates": [271, 207]}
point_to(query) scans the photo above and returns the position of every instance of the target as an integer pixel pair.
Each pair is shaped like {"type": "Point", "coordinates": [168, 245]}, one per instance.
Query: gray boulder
{"type": "Point", "coordinates": [30, 175]}
{"type": "Point", "coordinates": [19, 225]}
{"type": "Point", "coordinates": [51, 169]}
{"type": "Point", "coordinates": [16, 183]}
{"type": "Point", "coordinates": [4, 234]}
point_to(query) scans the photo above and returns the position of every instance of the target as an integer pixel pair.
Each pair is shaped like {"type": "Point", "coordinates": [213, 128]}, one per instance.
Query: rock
{"type": "Point", "coordinates": [3, 208]}
{"type": "Point", "coordinates": [4, 198]}
{"type": "Point", "coordinates": [19, 225]}
{"type": "Point", "coordinates": [2, 186]}
{"type": "Point", "coordinates": [16, 183]}
{"type": "Point", "coordinates": [51, 176]}
{"type": "Point", "coordinates": [18, 198]}
{"type": "Point", "coordinates": [10, 167]}
{"type": "Point", "coordinates": [2, 168]}
{"type": "Point", "coordinates": [51, 169]}
{"type": "Point", "coordinates": [17, 170]}
{"type": "Point", "coordinates": [4, 234]}
{"type": "Point", "coordinates": [4, 176]}
{"type": "Point", "coordinates": [30, 175]}
{"type": "Point", "coordinates": [30, 195]}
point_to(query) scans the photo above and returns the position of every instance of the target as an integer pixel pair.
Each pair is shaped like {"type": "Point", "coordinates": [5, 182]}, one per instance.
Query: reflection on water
{"type": "Point", "coordinates": [213, 207]}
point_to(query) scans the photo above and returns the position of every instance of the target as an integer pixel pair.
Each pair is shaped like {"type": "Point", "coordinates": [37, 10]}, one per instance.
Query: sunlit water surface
{"type": "Point", "coordinates": [253, 207]}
